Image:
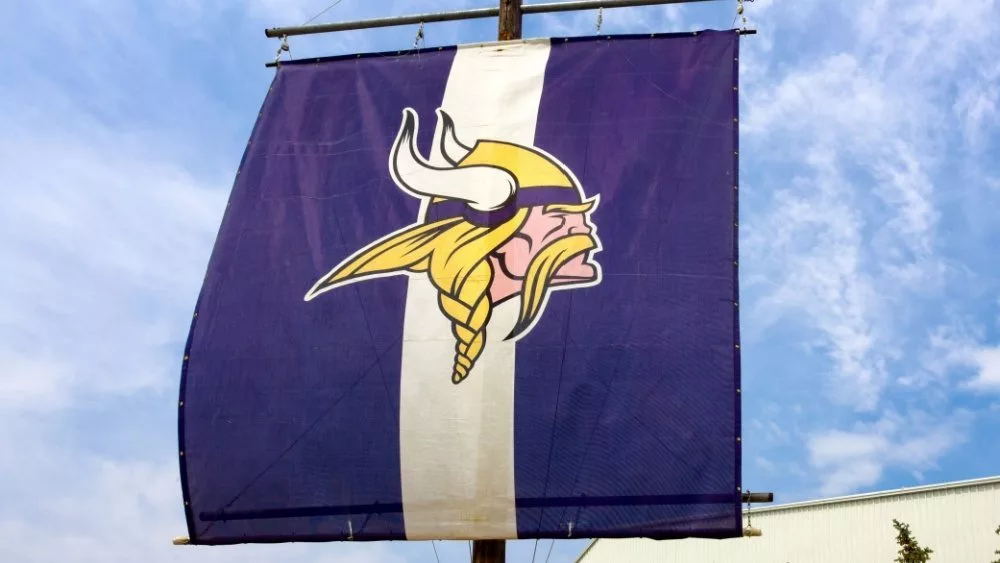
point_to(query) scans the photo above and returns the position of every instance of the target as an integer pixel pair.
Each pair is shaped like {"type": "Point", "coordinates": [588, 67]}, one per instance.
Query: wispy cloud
{"type": "Point", "coordinates": [811, 237]}
{"type": "Point", "coordinates": [987, 363]}
{"type": "Point", "coordinates": [857, 458]}
{"type": "Point", "coordinates": [645, 19]}
{"type": "Point", "coordinates": [114, 510]}
{"type": "Point", "coordinates": [852, 140]}
{"type": "Point", "coordinates": [108, 245]}
{"type": "Point", "coordinates": [977, 106]}
{"type": "Point", "coordinates": [961, 347]}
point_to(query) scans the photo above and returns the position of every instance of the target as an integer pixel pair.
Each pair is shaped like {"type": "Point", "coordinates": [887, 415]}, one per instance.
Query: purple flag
{"type": "Point", "coordinates": [480, 292]}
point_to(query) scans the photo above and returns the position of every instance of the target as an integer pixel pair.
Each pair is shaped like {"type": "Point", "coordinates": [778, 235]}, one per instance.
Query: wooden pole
{"type": "Point", "coordinates": [495, 551]}
{"type": "Point", "coordinates": [489, 551]}
{"type": "Point", "coordinates": [510, 20]}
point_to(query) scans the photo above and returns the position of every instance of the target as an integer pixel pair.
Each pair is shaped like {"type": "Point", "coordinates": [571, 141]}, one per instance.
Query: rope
{"type": "Point", "coordinates": [327, 9]}
{"type": "Point", "coordinates": [420, 36]}
{"type": "Point", "coordinates": [435, 552]}
{"type": "Point", "coordinates": [284, 39]}
{"type": "Point", "coordinates": [551, 545]}
{"type": "Point", "coordinates": [739, 13]}
{"type": "Point", "coordinates": [283, 47]}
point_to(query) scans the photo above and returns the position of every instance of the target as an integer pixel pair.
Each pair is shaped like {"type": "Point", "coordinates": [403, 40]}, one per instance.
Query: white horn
{"type": "Point", "coordinates": [451, 148]}
{"type": "Point", "coordinates": [484, 188]}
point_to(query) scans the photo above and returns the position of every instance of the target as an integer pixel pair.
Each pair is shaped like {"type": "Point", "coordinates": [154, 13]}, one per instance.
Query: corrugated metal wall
{"type": "Point", "coordinates": [957, 522]}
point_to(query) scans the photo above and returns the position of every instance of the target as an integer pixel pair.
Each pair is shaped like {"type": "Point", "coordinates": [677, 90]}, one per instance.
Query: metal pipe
{"type": "Point", "coordinates": [273, 64]}
{"type": "Point", "coordinates": [382, 22]}
{"type": "Point", "coordinates": [464, 15]}
{"type": "Point", "coordinates": [758, 498]}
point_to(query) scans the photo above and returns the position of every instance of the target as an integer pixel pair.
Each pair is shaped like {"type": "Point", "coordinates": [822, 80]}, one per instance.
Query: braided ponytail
{"type": "Point", "coordinates": [455, 255]}
{"type": "Point", "coordinates": [469, 311]}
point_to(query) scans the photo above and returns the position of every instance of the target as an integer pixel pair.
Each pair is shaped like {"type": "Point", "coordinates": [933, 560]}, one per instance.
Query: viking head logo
{"type": "Point", "coordinates": [502, 221]}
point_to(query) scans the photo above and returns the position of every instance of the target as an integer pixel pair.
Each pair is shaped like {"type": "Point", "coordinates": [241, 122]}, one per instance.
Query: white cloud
{"type": "Point", "coordinates": [810, 243]}
{"type": "Point", "coordinates": [853, 133]}
{"type": "Point", "coordinates": [960, 345]}
{"type": "Point", "coordinates": [854, 459]}
{"type": "Point", "coordinates": [765, 464]}
{"type": "Point", "coordinates": [826, 99]}
{"type": "Point", "coordinates": [978, 107]}
{"type": "Point", "coordinates": [851, 240]}
{"type": "Point", "coordinates": [645, 19]}
{"type": "Point", "coordinates": [110, 245]}
{"type": "Point", "coordinates": [87, 509]}
{"type": "Point", "coordinates": [33, 382]}
{"type": "Point", "coordinates": [988, 362]}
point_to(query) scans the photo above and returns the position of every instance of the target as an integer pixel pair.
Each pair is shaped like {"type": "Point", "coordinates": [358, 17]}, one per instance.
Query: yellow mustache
{"type": "Point", "coordinates": [540, 272]}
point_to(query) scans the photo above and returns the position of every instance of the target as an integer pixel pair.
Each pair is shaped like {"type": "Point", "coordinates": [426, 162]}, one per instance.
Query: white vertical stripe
{"type": "Point", "coordinates": [457, 441]}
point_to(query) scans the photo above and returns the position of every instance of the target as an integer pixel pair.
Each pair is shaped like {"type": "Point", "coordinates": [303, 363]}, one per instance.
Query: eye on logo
{"type": "Point", "coordinates": [503, 220]}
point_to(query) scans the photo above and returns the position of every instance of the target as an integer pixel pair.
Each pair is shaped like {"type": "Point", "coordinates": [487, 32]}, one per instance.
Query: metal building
{"type": "Point", "coordinates": [957, 520]}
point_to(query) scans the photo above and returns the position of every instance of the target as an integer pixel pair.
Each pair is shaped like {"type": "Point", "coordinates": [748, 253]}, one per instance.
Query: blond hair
{"type": "Point", "coordinates": [455, 255]}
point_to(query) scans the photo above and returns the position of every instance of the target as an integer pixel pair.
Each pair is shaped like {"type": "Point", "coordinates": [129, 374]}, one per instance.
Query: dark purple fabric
{"type": "Point", "coordinates": [626, 404]}
{"type": "Point", "coordinates": [629, 389]}
{"type": "Point", "coordinates": [288, 403]}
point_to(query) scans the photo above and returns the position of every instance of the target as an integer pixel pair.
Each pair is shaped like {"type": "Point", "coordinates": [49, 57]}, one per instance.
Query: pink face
{"type": "Point", "coordinates": [539, 230]}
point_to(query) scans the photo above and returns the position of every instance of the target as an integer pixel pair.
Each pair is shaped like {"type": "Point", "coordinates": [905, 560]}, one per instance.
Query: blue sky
{"type": "Point", "coordinates": [870, 288]}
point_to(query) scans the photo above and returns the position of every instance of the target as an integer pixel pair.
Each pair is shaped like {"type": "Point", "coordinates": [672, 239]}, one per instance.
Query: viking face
{"type": "Point", "coordinates": [487, 184]}
{"type": "Point", "coordinates": [541, 229]}
{"type": "Point", "coordinates": [502, 220]}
